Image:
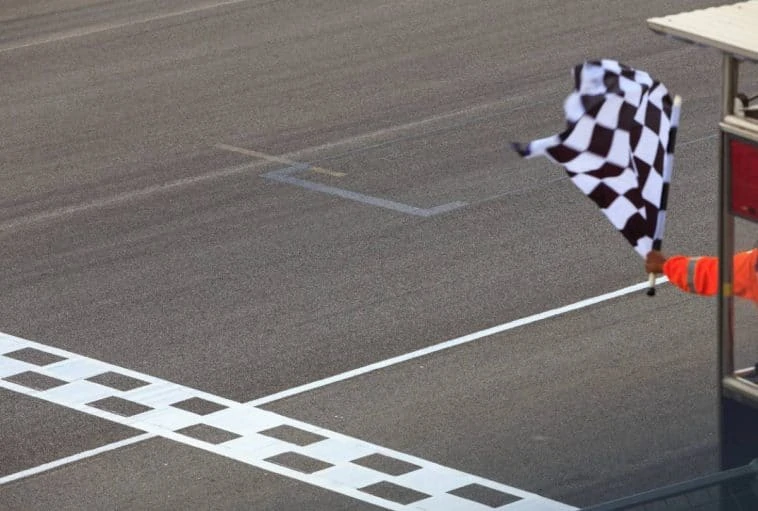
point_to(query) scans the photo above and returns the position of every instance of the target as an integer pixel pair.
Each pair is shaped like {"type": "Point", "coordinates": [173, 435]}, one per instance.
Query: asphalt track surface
{"type": "Point", "coordinates": [229, 200]}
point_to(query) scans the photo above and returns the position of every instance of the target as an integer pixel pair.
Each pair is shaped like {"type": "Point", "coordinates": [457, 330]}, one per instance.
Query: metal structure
{"type": "Point", "coordinates": [732, 30]}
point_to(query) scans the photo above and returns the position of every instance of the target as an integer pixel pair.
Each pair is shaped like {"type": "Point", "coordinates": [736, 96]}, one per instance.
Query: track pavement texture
{"type": "Point", "coordinates": [146, 222]}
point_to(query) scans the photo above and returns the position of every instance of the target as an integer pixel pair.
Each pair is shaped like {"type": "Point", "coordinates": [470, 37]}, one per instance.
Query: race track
{"type": "Point", "coordinates": [299, 221]}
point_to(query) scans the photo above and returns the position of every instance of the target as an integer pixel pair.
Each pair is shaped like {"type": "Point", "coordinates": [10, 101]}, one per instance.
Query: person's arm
{"type": "Point", "coordinates": [691, 274]}
{"type": "Point", "coordinates": [745, 283]}
{"type": "Point", "coordinates": [700, 275]}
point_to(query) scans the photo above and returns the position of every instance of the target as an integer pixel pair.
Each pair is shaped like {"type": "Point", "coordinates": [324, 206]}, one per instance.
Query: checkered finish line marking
{"type": "Point", "coordinates": [278, 444]}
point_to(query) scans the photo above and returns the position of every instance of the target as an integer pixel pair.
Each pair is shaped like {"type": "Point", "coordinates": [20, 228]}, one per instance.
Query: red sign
{"type": "Point", "coordinates": [744, 179]}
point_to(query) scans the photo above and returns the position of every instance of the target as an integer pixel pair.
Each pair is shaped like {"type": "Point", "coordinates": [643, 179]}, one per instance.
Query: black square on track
{"type": "Point", "coordinates": [199, 406]}
{"type": "Point", "coordinates": [386, 464]}
{"type": "Point", "coordinates": [117, 381]}
{"type": "Point", "coordinates": [484, 495]}
{"type": "Point", "coordinates": [207, 433]}
{"type": "Point", "coordinates": [394, 492]}
{"type": "Point", "coordinates": [293, 435]}
{"type": "Point", "coordinates": [34, 356]}
{"type": "Point", "coordinates": [119, 406]}
{"type": "Point", "coordinates": [299, 462]}
{"type": "Point", "coordinates": [35, 381]}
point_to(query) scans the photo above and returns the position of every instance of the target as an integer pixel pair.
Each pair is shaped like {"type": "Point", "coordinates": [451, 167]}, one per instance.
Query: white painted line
{"type": "Point", "coordinates": [125, 196]}
{"type": "Point", "coordinates": [312, 479]}
{"type": "Point", "coordinates": [103, 27]}
{"type": "Point", "coordinates": [278, 159]}
{"type": "Point", "coordinates": [74, 458]}
{"type": "Point", "coordinates": [219, 174]}
{"type": "Point", "coordinates": [233, 171]}
{"type": "Point", "coordinates": [453, 343]}
{"type": "Point", "coordinates": [245, 426]}
{"type": "Point", "coordinates": [700, 139]}
{"type": "Point", "coordinates": [257, 154]}
{"type": "Point", "coordinates": [514, 102]}
{"type": "Point", "coordinates": [285, 176]}
{"type": "Point", "coordinates": [327, 172]}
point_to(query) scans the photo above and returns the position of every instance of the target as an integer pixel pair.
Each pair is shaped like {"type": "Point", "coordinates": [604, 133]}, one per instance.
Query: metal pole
{"type": "Point", "coordinates": [726, 243]}
{"type": "Point", "coordinates": [726, 224]}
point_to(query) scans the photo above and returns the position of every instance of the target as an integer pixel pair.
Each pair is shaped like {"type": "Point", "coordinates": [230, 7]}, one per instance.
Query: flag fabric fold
{"type": "Point", "coordinates": [617, 147]}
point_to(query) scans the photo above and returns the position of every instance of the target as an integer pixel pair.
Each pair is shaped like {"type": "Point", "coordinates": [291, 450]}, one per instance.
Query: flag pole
{"type": "Point", "coordinates": [668, 169]}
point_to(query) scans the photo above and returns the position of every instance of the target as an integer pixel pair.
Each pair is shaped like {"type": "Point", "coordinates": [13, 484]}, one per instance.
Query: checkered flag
{"type": "Point", "coordinates": [618, 147]}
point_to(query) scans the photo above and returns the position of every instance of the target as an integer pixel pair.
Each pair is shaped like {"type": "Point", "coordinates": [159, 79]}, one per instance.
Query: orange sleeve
{"type": "Point", "coordinates": [745, 281]}
{"type": "Point", "coordinates": [698, 275]}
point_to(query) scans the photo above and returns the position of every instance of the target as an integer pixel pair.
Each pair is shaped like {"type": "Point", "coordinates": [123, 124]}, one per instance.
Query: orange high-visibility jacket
{"type": "Point", "coordinates": [701, 274]}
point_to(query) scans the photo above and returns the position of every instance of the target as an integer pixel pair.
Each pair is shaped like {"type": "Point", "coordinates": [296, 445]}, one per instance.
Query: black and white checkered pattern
{"type": "Point", "coordinates": [617, 147]}
{"type": "Point", "coordinates": [250, 435]}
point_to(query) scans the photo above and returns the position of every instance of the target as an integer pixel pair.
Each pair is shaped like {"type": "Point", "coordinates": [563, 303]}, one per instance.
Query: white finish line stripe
{"type": "Point", "coordinates": [74, 458]}
{"type": "Point", "coordinates": [453, 343]}
{"type": "Point", "coordinates": [239, 431]}
{"type": "Point", "coordinates": [244, 423]}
